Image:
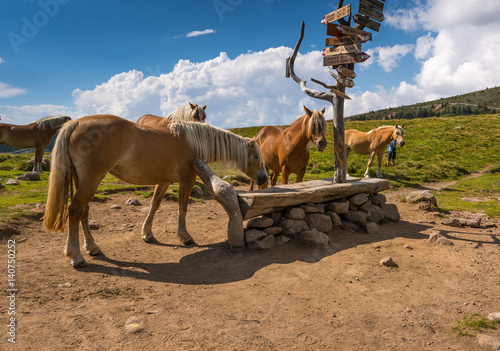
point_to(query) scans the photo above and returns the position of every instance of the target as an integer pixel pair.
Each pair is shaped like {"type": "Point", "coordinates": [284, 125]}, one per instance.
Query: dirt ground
{"type": "Point", "coordinates": [291, 297]}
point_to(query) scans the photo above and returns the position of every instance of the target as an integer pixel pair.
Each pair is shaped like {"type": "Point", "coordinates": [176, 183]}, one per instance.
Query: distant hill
{"type": "Point", "coordinates": [480, 102]}
{"type": "Point", "coordinates": [10, 150]}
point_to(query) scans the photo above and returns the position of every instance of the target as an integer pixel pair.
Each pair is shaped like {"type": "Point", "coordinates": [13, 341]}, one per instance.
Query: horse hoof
{"type": "Point", "coordinates": [78, 262]}
{"type": "Point", "coordinates": [96, 251]}
{"type": "Point", "coordinates": [149, 240]}
{"type": "Point", "coordinates": [189, 242]}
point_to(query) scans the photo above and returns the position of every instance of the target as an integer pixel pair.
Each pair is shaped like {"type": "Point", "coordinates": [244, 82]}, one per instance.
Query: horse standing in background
{"type": "Point", "coordinates": [87, 149]}
{"type": "Point", "coordinates": [34, 135]}
{"type": "Point", "coordinates": [286, 150]}
{"type": "Point", "coordinates": [373, 143]}
{"type": "Point", "coordinates": [192, 112]}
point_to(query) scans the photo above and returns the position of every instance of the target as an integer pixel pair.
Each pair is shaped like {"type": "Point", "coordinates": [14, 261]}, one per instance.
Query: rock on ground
{"type": "Point", "coordinates": [253, 235]}
{"type": "Point", "coordinates": [314, 237]}
{"type": "Point", "coordinates": [421, 196]}
{"type": "Point", "coordinates": [260, 223]}
{"type": "Point", "coordinates": [391, 212]}
{"type": "Point", "coordinates": [293, 226]}
{"type": "Point", "coordinates": [388, 262]}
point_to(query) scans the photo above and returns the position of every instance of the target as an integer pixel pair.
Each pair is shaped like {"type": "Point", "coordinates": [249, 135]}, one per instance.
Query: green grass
{"type": "Point", "coordinates": [473, 322]}
{"type": "Point", "coordinates": [437, 149]}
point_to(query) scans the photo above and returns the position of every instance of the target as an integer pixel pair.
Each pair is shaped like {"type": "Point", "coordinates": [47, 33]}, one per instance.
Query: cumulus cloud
{"type": "Point", "coordinates": [248, 90]}
{"type": "Point", "coordinates": [7, 91]}
{"type": "Point", "coordinates": [197, 33]}
{"type": "Point", "coordinates": [387, 57]}
{"type": "Point", "coordinates": [30, 113]}
{"type": "Point", "coordinates": [1, 60]}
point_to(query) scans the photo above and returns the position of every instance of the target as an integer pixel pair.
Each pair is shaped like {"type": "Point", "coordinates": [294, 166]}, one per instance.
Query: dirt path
{"type": "Point", "coordinates": [287, 298]}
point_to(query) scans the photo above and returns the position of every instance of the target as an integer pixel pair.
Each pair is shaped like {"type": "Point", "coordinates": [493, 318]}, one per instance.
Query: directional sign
{"type": "Point", "coordinates": [345, 72]}
{"type": "Point", "coordinates": [336, 92]}
{"type": "Point", "coordinates": [370, 12]}
{"type": "Point", "coordinates": [344, 49]}
{"type": "Point", "coordinates": [334, 60]}
{"type": "Point", "coordinates": [341, 30]}
{"type": "Point", "coordinates": [335, 15]}
{"type": "Point", "coordinates": [348, 83]}
{"type": "Point", "coordinates": [366, 22]}
{"type": "Point", "coordinates": [377, 5]}
{"type": "Point", "coordinates": [345, 40]}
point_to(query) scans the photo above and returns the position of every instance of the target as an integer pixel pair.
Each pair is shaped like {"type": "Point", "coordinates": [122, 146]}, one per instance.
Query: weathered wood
{"type": "Point", "coordinates": [345, 72]}
{"type": "Point", "coordinates": [335, 15]}
{"type": "Point", "coordinates": [377, 5]}
{"type": "Point", "coordinates": [342, 49]}
{"type": "Point", "coordinates": [273, 199]}
{"type": "Point", "coordinates": [340, 59]}
{"type": "Point", "coordinates": [342, 30]}
{"type": "Point", "coordinates": [368, 23]}
{"type": "Point", "coordinates": [344, 40]}
{"type": "Point", "coordinates": [226, 196]}
{"type": "Point", "coordinates": [370, 12]}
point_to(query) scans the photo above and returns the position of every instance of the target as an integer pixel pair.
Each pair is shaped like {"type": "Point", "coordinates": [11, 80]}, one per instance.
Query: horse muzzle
{"type": "Point", "coordinates": [401, 143]}
{"type": "Point", "coordinates": [321, 145]}
{"type": "Point", "coordinates": [261, 179]}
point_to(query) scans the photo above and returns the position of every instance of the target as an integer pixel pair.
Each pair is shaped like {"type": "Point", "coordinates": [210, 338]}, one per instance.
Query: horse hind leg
{"type": "Point", "coordinates": [370, 161]}
{"type": "Point", "coordinates": [146, 231]}
{"type": "Point", "coordinates": [37, 166]}
{"type": "Point", "coordinates": [379, 164]}
{"type": "Point", "coordinates": [185, 187]}
{"type": "Point", "coordinates": [89, 244]}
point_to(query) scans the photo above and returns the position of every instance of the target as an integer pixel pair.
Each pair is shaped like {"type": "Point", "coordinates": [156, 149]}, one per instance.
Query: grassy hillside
{"type": "Point", "coordinates": [445, 148]}
{"type": "Point", "coordinates": [480, 102]}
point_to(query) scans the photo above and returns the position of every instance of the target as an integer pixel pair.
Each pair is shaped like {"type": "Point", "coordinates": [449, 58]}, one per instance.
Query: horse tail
{"type": "Point", "coordinates": [60, 181]}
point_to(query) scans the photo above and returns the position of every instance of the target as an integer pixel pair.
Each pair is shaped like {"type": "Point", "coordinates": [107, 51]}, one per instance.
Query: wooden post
{"type": "Point", "coordinates": [226, 196]}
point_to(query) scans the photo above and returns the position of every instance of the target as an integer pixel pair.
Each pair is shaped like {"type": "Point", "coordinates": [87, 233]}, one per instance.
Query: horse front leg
{"type": "Point", "coordinates": [379, 169]}
{"type": "Point", "coordinates": [88, 242]}
{"type": "Point", "coordinates": [285, 174]}
{"type": "Point", "coordinates": [300, 175]}
{"type": "Point", "coordinates": [185, 188]}
{"type": "Point", "coordinates": [274, 178]}
{"type": "Point", "coordinates": [37, 166]}
{"type": "Point", "coordinates": [372, 156]}
{"type": "Point", "coordinates": [147, 232]}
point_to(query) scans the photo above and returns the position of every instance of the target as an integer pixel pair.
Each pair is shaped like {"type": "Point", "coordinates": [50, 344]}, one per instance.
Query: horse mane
{"type": "Point", "coordinates": [214, 144]}
{"type": "Point", "coordinates": [185, 113]}
{"type": "Point", "coordinates": [315, 124]}
{"type": "Point", "coordinates": [51, 122]}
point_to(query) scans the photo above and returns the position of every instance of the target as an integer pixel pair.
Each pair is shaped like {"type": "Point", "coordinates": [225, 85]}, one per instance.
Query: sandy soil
{"type": "Point", "coordinates": [288, 298]}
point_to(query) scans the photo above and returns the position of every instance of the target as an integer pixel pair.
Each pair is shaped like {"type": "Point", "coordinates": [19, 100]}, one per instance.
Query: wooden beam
{"type": "Point", "coordinates": [255, 203]}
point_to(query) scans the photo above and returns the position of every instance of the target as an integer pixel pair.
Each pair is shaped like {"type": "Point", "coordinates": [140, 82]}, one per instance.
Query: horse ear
{"type": "Point", "coordinates": [204, 107]}
{"type": "Point", "coordinates": [323, 110]}
{"type": "Point", "coordinates": [402, 126]}
{"type": "Point", "coordinates": [308, 112]}
{"type": "Point", "coordinates": [396, 125]}
{"type": "Point", "coordinates": [193, 106]}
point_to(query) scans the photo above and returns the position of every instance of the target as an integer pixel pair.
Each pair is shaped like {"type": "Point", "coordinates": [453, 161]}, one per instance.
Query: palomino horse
{"type": "Point", "coordinates": [37, 135]}
{"type": "Point", "coordinates": [373, 143]}
{"type": "Point", "coordinates": [286, 150]}
{"type": "Point", "coordinates": [192, 112]}
{"type": "Point", "coordinates": [92, 146]}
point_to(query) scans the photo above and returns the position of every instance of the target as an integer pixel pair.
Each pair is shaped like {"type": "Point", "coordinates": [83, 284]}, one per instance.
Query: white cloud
{"type": "Point", "coordinates": [248, 90]}
{"type": "Point", "coordinates": [7, 91]}
{"type": "Point", "coordinates": [197, 33]}
{"type": "Point", "coordinates": [1, 60]}
{"type": "Point", "coordinates": [30, 113]}
{"type": "Point", "coordinates": [388, 57]}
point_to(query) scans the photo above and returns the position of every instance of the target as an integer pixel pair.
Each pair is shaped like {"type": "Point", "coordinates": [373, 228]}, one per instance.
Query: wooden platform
{"type": "Point", "coordinates": [259, 202]}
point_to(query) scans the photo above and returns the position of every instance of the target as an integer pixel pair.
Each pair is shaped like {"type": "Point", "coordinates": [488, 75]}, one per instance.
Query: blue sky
{"type": "Point", "coordinates": [131, 57]}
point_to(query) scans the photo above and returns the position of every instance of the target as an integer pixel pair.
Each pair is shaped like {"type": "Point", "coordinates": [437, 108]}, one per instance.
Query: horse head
{"type": "Point", "coordinates": [198, 112]}
{"type": "Point", "coordinates": [398, 134]}
{"type": "Point", "coordinates": [255, 163]}
{"type": "Point", "coordinates": [316, 128]}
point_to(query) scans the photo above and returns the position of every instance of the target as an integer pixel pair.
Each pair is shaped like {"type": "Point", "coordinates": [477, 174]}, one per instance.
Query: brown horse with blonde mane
{"type": "Point", "coordinates": [373, 143]}
{"type": "Point", "coordinates": [34, 135]}
{"type": "Point", "coordinates": [87, 149]}
{"type": "Point", "coordinates": [192, 112]}
{"type": "Point", "coordinates": [286, 150]}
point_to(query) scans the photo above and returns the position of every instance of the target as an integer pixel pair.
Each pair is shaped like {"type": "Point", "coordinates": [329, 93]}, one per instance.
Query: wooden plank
{"type": "Point", "coordinates": [344, 40]}
{"type": "Point", "coordinates": [346, 82]}
{"type": "Point", "coordinates": [339, 93]}
{"type": "Point", "coordinates": [370, 12]}
{"type": "Point", "coordinates": [341, 30]}
{"type": "Point", "coordinates": [345, 58]}
{"type": "Point", "coordinates": [255, 203]}
{"type": "Point", "coordinates": [377, 5]}
{"type": "Point", "coordinates": [345, 72]}
{"type": "Point", "coordinates": [366, 22]}
{"type": "Point", "coordinates": [343, 49]}
{"type": "Point", "coordinates": [335, 15]}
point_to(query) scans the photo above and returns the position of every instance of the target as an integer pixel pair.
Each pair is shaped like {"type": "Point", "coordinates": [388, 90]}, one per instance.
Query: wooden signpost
{"type": "Point", "coordinates": [342, 53]}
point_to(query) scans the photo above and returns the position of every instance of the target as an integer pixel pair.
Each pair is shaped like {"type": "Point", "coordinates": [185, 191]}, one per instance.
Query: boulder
{"type": "Point", "coordinates": [347, 225]}
{"type": "Point", "coordinates": [276, 217]}
{"type": "Point", "coordinates": [439, 239]}
{"type": "Point", "coordinates": [320, 222]}
{"type": "Point", "coordinates": [132, 202]}
{"type": "Point", "coordinates": [272, 230]}
{"type": "Point", "coordinates": [376, 214]}
{"type": "Point", "coordinates": [310, 208]}
{"type": "Point", "coordinates": [388, 262]}
{"type": "Point", "coordinates": [29, 176]}
{"type": "Point", "coordinates": [358, 199]}
{"type": "Point", "coordinates": [421, 196]}
{"type": "Point", "coordinates": [281, 239]}
{"type": "Point", "coordinates": [356, 216]}
{"type": "Point", "coordinates": [253, 235]}
{"type": "Point", "coordinates": [339, 207]}
{"type": "Point", "coordinates": [365, 207]}
{"type": "Point", "coordinates": [293, 226]}
{"type": "Point", "coordinates": [264, 243]}
{"type": "Point", "coordinates": [378, 200]}
{"type": "Point", "coordinates": [471, 222]}
{"type": "Point", "coordinates": [336, 221]}
{"type": "Point", "coordinates": [260, 223]}
{"type": "Point", "coordinates": [295, 213]}
{"type": "Point", "coordinates": [372, 228]}
{"type": "Point", "coordinates": [314, 238]}
{"type": "Point", "coordinates": [391, 212]}
{"type": "Point", "coordinates": [452, 222]}
{"type": "Point", "coordinates": [12, 182]}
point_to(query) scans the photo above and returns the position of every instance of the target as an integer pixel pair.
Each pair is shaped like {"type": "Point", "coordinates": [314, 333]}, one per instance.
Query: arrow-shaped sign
{"type": "Point", "coordinates": [366, 22]}
{"type": "Point", "coordinates": [341, 30]}
{"type": "Point", "coordinates": [344, 40]}
{"type": "Point", "coordinates": [377, 5]}
{"type": "Point", "coordinates": [344, 49]}
{"type": "Point", "coordinates": [345, 72]}
{"type": "Point", "coordinates": [334, 60]}
{"type": "Point", "coordinates": [370, 12]}
{"type": "Point", "coordinates": [335, 15]}
{"type": "Point", "coordinates": [348, 83]}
